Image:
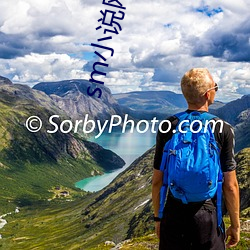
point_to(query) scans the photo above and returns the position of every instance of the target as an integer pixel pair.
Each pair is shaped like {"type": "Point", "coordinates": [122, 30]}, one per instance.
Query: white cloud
{"type": "Point", "coordinates": [152, 52]}
{"type": "Point", "coordinates": [35, 68]}
{"type": "Point", "coordinates": [131, 81]}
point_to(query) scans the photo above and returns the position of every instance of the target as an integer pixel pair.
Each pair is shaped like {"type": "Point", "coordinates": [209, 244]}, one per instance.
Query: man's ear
{"type": "Point", "coordinates": [207, 95]}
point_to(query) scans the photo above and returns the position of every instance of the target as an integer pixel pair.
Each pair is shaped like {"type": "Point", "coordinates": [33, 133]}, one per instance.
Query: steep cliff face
{"type": "Point", "coordinates": [71, 96]}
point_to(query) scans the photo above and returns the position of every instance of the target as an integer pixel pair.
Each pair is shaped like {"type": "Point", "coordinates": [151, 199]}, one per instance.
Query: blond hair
{"type": "Point", "coordinates": [195, 83]}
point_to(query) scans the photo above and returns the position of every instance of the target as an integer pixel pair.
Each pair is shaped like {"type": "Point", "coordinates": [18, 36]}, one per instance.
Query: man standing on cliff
{"type": "Point", "coordinates": [194, 225]}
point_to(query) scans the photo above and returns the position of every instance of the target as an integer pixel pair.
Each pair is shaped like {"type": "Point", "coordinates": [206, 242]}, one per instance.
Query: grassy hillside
{"type": "Point", "coordinates": [120, 212]}
{"type": "Point", "coordinates": [54, 225]}
{"type": "Point", "coordinates": [82, 223]}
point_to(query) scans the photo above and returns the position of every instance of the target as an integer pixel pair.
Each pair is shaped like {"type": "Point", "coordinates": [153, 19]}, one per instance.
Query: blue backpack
{"type": "Point", "coordinates": [191, 162]}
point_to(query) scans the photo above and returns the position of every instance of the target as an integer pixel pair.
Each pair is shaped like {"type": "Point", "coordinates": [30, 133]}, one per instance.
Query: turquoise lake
{"type": "Point", "coordinates": [129, 146]}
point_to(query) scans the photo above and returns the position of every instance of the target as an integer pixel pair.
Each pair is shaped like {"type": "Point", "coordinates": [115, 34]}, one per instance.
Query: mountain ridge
{"type": "Point", "coordinates": [71, 96]}
{"type": "Point", "coordinates": [237, 113]}
{"type": "Point", "coordinates": [230, 111]}
{"type": "Point", "coordinates": [4, 80]}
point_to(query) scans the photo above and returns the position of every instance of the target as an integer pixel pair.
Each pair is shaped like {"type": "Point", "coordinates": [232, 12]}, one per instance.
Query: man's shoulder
{"type": "Point", "coordinates": [172, 119]}
{"type": "Point", "coordinates": [227, 127]}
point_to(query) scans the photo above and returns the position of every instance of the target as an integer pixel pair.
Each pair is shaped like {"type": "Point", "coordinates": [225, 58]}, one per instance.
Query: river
{"type": "Point", "coordinates": [3, 222]}
{"type": "Point", "coordinates": [128, 146]}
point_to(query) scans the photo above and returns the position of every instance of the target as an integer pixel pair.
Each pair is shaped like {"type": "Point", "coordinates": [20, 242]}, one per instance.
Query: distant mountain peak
{"type": "Point", "coordinates": [62, 88]}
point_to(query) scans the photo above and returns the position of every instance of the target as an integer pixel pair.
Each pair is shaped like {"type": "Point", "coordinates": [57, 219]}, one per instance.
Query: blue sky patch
{"type": "Point", "coordinates": [168, 25]}
{"type": "Point", "coordinates": [206, 10]}
{"type": "Point", "coordinates": [88, 56]}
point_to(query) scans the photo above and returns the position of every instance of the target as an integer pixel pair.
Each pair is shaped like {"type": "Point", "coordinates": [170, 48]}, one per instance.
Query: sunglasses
{"type": "Point", "coordinates": [216, 87]}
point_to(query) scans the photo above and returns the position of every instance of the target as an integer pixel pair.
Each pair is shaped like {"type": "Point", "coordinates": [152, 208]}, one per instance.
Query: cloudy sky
{"type": "Point", "coordinates": [160, 40]}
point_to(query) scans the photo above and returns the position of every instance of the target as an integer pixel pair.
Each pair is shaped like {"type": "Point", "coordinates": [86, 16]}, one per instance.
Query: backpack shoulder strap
{"type": "Point", "coordinates": [182, 115]}
{"type": "Point", "coordinates": [208, 116]}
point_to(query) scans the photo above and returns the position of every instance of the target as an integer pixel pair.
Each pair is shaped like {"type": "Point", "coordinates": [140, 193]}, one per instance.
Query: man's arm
{"type": "Point", "coordinates": [156, 187]}
{"type": "Point", "coordinates": [231, 195]}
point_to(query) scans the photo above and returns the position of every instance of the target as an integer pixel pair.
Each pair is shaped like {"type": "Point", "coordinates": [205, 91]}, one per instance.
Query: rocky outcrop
{"type": "Point", "coordinates": [4, 80]}
{"type": "Point", "coordinates": [237, 113]}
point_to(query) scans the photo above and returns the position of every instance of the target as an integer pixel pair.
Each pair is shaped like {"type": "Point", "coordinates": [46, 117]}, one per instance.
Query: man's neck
{"type": "Point", "coordinates": [198, 107]}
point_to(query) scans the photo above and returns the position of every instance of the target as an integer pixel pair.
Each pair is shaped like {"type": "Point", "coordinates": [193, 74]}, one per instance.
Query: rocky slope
{"type": "Point", "coordinates": [71, 96]}
{"type": "Point", "coordinates": [232, 110]}
{"type": "Point", "coordinates": [242, 130]}
{"type": "Point", "coordinates": [237, 114]}
{"type": "Point", "coordinates": [127, 199]}
{"type": "Point", "coordinates": [31, 163]}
